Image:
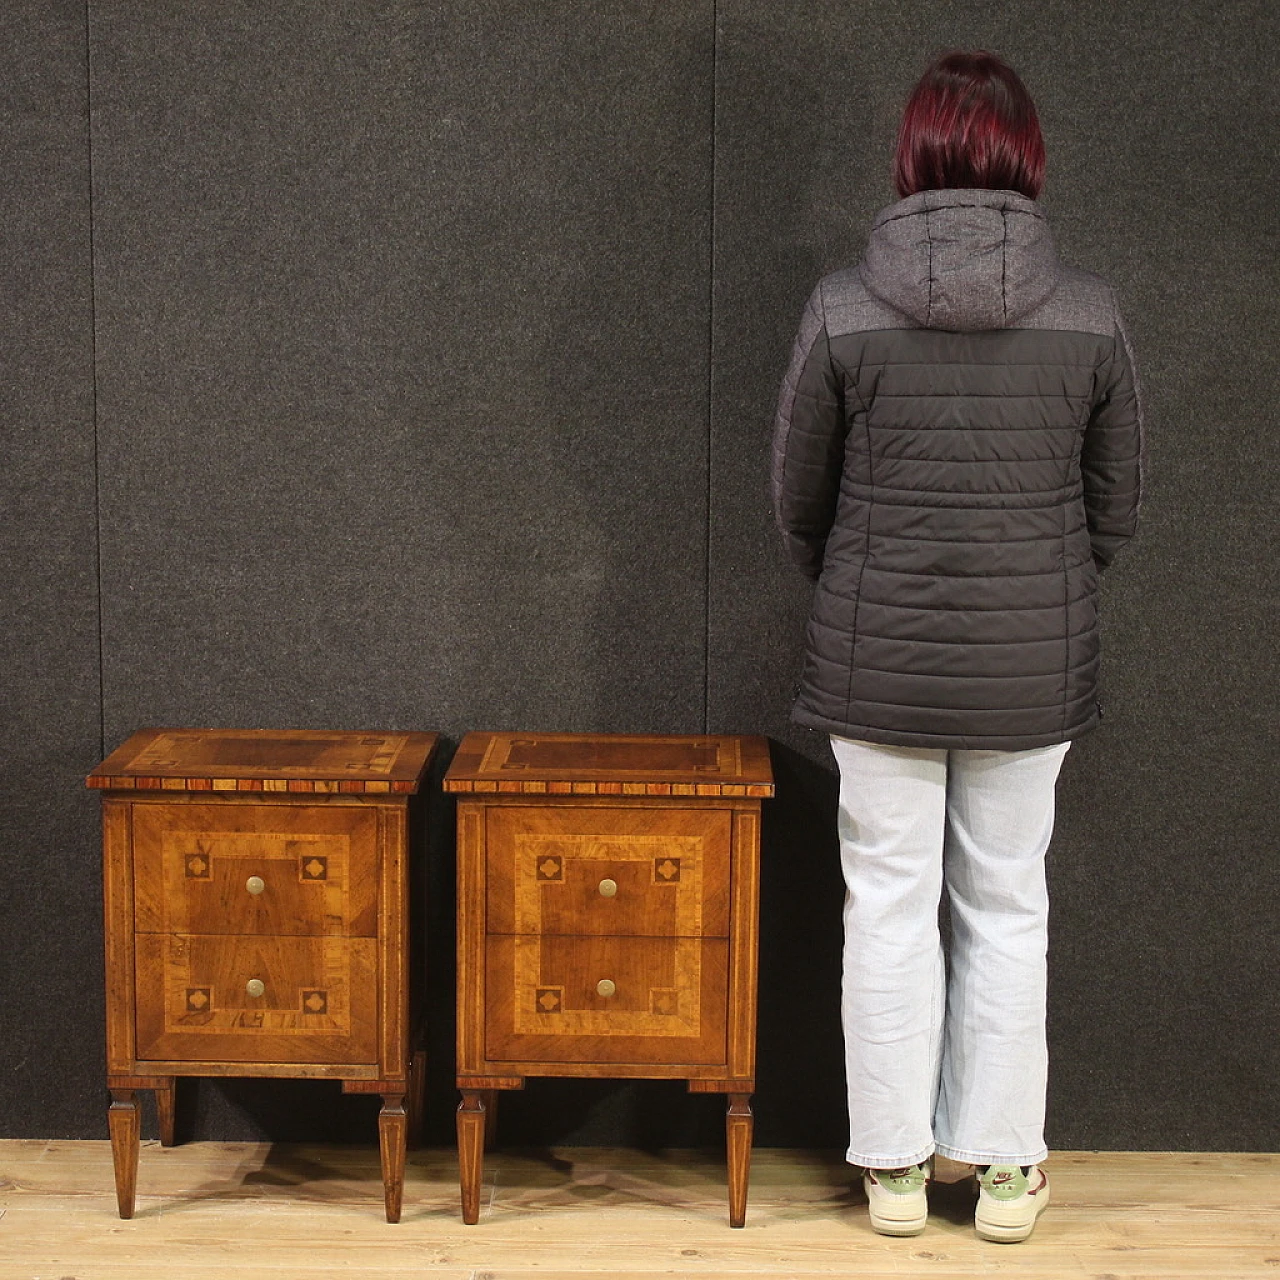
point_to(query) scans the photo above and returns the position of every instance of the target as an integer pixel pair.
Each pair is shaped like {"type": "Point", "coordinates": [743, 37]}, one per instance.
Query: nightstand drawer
{"type": "Point", "coordinates": [618, 870]}
{"type": "Point", "coordinates": [605, 999]}
{"type": "Point", "coordinates": [256, 999]}
{"type": "Point", "coordinates": [262, 869]}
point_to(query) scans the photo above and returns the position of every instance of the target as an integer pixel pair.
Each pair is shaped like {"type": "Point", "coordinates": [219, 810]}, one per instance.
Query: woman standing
{"type": "Point", "coordinates": [956, 458]}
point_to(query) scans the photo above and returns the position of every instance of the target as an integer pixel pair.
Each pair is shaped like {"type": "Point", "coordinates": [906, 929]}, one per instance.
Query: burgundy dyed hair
{"type": "Point", "coordinates": [970, 122]}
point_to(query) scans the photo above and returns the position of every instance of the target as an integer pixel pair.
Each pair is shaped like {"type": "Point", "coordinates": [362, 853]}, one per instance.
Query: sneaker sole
{"type": "Point", "coordinates": [899, 1226]}
{"type": "Point", "coordinates": [1009, 1233]}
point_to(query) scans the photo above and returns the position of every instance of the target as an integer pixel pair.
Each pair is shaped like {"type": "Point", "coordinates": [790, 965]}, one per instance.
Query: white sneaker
{"type": "Point", "coordinates": [1010, 1201]}
{"type": "Point", "coordinates": [897, 1199]}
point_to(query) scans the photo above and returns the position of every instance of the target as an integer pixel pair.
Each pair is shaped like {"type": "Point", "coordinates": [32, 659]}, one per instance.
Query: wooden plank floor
{"type": "Point", "coordinates": [261, 1212]}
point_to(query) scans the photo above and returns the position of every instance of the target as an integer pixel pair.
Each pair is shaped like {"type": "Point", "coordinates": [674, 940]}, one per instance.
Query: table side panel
{"type": "Point", "coordinates": [117, 909]}
{"type": "Point", "coordinates": [393, 941]}
{"type": "Point", "coordinates": [471, 993]}
{"type": "Point", "coordinates": [744, 944]}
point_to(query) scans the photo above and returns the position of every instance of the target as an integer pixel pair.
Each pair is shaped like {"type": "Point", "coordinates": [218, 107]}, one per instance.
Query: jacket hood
{"type": "Point", "coordinates": [961, 260]}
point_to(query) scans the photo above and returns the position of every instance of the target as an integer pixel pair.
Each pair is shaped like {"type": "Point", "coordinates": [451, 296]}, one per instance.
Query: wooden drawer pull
{"type": "Point", "coordinates": [608, 888]}
{"type": "Point", "coordinates": [255, 986]}
{"type": "Point", "coordinates": [605, 988]}
{"type": "Point", "coordinates": [255, 884]}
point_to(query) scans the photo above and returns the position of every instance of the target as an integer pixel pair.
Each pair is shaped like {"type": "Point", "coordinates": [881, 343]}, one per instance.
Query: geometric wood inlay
{"type": "Point", "coordinates": [213, 868]}
{"type": "Point", "coordinates": [234, 998]}
{"type": "Point", "coordinates": [588, 765]}
{"type": "Point", "coordinates": [666, 870]}
{"type": "Point", "coordinates": [315, 868]}
{"type": "Point", "coordinates": [539, 873]}
{"type": "Point", "coordinates": [198, 866]}
{"type": "Point", "coordinates": [577, 754]}
{"type": "Point", "coordinates": [637, 1008]}
{"type": "Point", "coordinates": [232, 749]}
{"type": "Point", "coordinates": [665, 1001]}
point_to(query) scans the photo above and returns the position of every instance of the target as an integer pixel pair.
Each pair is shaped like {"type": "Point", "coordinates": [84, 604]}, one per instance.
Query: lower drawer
{"type": "Point", "coordinates": [256, 999]}
{"type": "Point", "coordinates": [552, 998]}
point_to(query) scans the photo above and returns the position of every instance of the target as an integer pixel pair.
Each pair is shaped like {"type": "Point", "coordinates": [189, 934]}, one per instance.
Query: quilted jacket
{"type": "Point", "coordinates": [957, 455]}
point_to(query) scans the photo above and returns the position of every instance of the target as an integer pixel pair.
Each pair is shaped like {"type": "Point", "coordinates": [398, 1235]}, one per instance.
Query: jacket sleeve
{"type": "Point", "coordinates": [808, 443]}
{"type": "Point", "coordinates": [1111, 458]}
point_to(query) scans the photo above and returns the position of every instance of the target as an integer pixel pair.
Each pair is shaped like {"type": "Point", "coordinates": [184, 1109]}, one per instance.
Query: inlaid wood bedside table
{"type": "Point", "coordinates": [607, 904]}
{"type": "Point", "coordinates": [256, 889]}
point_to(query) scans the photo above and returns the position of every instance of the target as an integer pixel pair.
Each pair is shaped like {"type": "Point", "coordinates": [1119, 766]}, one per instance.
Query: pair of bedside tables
{"type": "Point", "coordinates": [256, 893]}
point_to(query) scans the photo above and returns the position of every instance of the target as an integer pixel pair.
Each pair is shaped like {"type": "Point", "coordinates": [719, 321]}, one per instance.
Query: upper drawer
{"type": "Point", "coordinates": [565, 869]}
{"type": "Point", "coordinates": [264, 869]}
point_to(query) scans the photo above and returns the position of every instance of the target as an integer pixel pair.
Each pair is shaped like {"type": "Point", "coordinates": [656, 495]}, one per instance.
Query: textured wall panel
{"type": "Point", "coordinates": [1165, 899]}
{"type": "Point", "coordinates": [403, 374]}
{"type": "Point", "coordinates": [50, 1062]}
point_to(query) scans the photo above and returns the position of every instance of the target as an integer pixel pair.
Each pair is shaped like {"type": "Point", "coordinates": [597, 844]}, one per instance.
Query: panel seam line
{"type": "Point", "coordinates": [711, 341]}
{"type": "Point", "coordinates": [93, 376]}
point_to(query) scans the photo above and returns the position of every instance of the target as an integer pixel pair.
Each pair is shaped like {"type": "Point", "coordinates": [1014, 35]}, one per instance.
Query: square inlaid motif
{"type": "Point", "coordinates": [315, 1002]}
{"type": "Point", "coordinates": [198, 866]}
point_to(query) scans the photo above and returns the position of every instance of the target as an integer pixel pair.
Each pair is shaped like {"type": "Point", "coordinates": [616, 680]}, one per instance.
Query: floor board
{"type": "Point", "coordinates": [261, 1212]}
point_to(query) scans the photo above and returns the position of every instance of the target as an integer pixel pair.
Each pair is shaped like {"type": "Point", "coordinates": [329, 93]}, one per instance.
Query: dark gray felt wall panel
{"type": "Point", "coordinates": [436, 348]}
{"type": "Point", "coordinates": [1161, 177]}
{"type": "Point", "coordinates": [50, 971]}
{"type": "Point", "coordinates": [407, 326]}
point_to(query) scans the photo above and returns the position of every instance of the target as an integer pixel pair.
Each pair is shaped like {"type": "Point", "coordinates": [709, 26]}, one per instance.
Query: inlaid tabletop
{"type": "Point", "coordinates": [612, 764]}
{"type": "Point", "coordinates": [266, 760]}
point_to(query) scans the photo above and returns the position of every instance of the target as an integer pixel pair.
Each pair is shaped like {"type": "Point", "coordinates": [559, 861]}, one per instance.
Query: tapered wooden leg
{"type": "Point", "coordinates": [122, 1121]}
{"type": "Point", "coordinates": [490, 1100]}
{"type": "Point", "coordinates": [393, 1130]}
{"type": "Point", "coordinates": [739, 1124]}
{"type": "Point", "coordinates": [166, 1110]}
{"type": "Point", "coordinates": [415, 1101]}
{"type": "Point", "coordinates": [471, 1124]}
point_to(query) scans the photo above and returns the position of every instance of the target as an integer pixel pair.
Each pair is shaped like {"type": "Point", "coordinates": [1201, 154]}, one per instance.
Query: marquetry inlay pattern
{"type": "Point", "coordinates": [286, 1006]}
{"type": "Point", "coordinates": [636, 1009]}
{"type": "Point", "coordinates": [540, 873]}
{"type": "Point", "coordinates": [569, 764]}
{"type": "Point", "coordinates": [295, 762]}
{"type": "Point", "coordinates": [198, 866]}
{"type": "Point", "coordinates": [197, 862]}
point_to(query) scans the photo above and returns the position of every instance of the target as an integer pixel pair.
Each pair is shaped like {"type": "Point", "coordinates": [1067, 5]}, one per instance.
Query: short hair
{"type": "Point", "coordinates": [970, 122]}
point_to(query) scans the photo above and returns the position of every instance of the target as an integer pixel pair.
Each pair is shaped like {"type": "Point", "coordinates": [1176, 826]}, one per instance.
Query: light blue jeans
{"type": "Point", "coordinates": [953, 1062]}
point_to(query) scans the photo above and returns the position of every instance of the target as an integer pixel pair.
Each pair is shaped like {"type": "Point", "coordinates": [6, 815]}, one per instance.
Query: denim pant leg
{"type": "Point", "coordinates": [1000, 811]}
{"type": "Point", "coordinates": [891, 822]}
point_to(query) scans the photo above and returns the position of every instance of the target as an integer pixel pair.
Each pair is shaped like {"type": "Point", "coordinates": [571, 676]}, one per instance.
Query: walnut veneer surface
{"type": "Point", "coordinates": [256, 919]}
{"type": "Point", "coordinates": [607, 906]}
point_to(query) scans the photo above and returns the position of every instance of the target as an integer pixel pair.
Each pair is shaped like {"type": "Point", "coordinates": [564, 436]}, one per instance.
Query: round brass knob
{"type": "Point", "coordinates": [255, 986]}
{"type": "Point", "coordinates": [605, 988]}
{"type": "Point", "coordinates": [255, 884]}
{"type": "Point", "coordinates": [608, 888]}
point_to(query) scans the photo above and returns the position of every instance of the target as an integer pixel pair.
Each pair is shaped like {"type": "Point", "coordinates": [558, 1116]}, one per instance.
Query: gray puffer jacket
{"type": "Point", "coordinates": [957, 454]}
